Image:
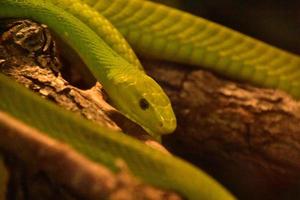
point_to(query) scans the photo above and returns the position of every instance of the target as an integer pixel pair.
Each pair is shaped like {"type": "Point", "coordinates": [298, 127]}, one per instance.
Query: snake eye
{"type": "Point", "coordinates": [144, 104]}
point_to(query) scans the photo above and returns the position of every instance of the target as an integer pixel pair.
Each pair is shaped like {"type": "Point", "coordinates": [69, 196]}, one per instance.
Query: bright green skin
{"type": "Point", "coordinates": [125, 83]}
{"type": "Point", "coordinates": [101, 26]}
{"type": "Point", "coordinates": [98, 143]}
{"type": "Point", "coordinates": [170, 34]}
{"type": "Point", "coordinates": [105, 146]}
{"type": "Point", "coordinates": [153, 30]}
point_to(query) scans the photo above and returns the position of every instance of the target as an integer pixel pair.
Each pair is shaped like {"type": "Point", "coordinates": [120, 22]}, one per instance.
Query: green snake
{"type": "Point", "coordinates": [142, 100]}
{"type": "Point", "coordinates": [169, 34]}
{"type": "Point", "coordinates": [153, 30]}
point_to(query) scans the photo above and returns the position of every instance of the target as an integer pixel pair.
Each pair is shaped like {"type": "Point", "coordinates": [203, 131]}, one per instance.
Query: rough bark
{"type": "Point", "coordinates": [69, 169]}
{"type": "Point", "coordinates": [246, 137]}
{"type": "Point", "coordinates": [32, 158]}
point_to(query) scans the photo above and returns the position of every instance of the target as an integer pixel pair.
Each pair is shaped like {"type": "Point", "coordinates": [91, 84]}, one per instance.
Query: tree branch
{"type": "Point", "coordinates": [29, 153]}
{"type": "Point", "coordinates": [247, 137]}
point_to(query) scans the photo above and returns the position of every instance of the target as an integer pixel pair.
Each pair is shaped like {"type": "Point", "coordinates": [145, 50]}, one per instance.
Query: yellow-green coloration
{"type": "Point", "coordinates": [156, 104]}
{"type": "Point", "coordinates": [105, 146]}
{"type": "Point", "coordinates": [157, 119]}
{"type": "Point", "coordinates": [132, 91]}
{"type": "Point", "coordinates": [154, 30]}
{"type": "Point", "coordinates": [124, 82]}
{"type": "Point", "coordinates": [101, 26]}
{"type": "Point", "coordinates": [181, 37]}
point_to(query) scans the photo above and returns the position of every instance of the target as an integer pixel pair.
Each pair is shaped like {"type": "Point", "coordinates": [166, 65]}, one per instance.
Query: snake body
{"type": "Point", "coordinates": [154, 30]}
{"type": "Point", "coordinates": [118, 77]}
{"type": "Point", "coordinates": [122, 80]}
{"type": "Point", "coordinates": [105, 146]}
{"type": "Point", "coordinates": [170, 34]}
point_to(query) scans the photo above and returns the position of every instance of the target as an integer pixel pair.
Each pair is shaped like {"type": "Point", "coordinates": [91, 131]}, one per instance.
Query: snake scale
{"type": "Point", "coordinates": [153, 30]}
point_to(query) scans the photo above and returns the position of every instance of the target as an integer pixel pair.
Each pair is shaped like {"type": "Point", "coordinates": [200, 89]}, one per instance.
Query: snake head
{"type": "Point", "coordinates": [142, 100]}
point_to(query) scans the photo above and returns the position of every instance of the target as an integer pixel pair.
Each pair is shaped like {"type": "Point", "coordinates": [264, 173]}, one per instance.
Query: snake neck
{"type": "Point", "coordinates": [102, 27]}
